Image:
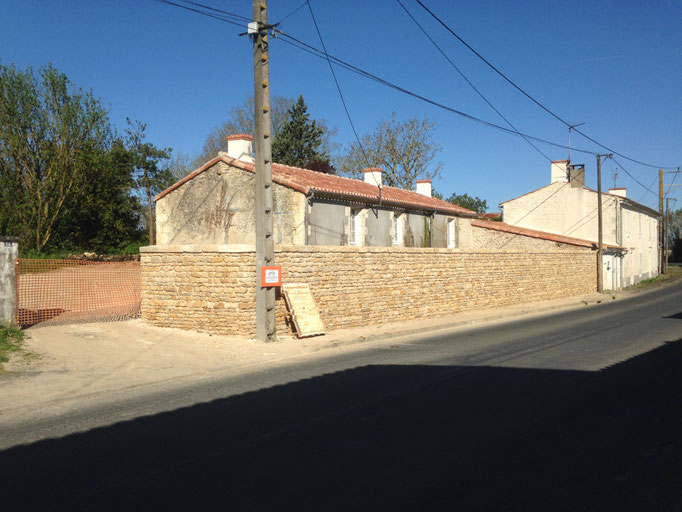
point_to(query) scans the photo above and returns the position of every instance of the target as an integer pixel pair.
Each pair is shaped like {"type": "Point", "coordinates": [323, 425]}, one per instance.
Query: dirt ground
{"type": "Point", "coordinates": [64, 365]}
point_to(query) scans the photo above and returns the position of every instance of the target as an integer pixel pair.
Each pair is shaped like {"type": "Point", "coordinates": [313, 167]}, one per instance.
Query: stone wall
{"type": "Point", "coordinates": [212, 288]}
{"type": "Point", "coordinates": [500, 240]}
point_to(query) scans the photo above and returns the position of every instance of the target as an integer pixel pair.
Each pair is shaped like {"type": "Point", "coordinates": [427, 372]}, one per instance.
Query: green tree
{"type": "Point", "coordinates": [48, 127]}
{"type": "Point", "coordinates": [404, 150]}
{"type": "Point", "coordinates": [475, 204]}
{"type": "Point", "coordinates": [674, 229]}
{"type": "Point", "coordinates": [240, 120]}
{"type": "Point", "coordinates": [151, 177]}
{"type": "Point", "coordinates": [103, 213]}
{"type": "Point", "coordinates": [299, 140]}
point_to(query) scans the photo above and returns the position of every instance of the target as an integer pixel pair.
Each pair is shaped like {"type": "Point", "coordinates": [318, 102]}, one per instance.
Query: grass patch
{"type": "Point", "coordinates": [674, 273]}
{"type": "Point", "coordinates": [11, 339]}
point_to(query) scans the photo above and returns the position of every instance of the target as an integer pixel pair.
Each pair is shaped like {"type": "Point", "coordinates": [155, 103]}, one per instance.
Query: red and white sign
{"type": "Point", "coordinates": [270, 276]}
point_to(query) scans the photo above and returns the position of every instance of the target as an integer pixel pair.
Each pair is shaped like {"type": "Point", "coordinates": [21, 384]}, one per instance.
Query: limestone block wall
{"type": "Point", "coordinates": [499, 240]}
{"type": "Point", "coordinates": [211, 288]}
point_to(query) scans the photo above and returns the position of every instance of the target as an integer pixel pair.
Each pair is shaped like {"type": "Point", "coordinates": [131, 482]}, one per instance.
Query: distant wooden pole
{"type": "Point", "coordinates": [600, 250]}
{"type": "Point", "coordinates": [661, 224]}
{"type": "Point", "coordinates": [665, 232]}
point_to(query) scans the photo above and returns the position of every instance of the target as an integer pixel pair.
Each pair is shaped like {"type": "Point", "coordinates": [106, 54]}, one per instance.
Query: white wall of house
{"type": "Point", "coordinates": [217, 207]}
{"type": "Point", "coordinates": [640, 238]}
{"type": "Point", "coordinates": [566, 209]}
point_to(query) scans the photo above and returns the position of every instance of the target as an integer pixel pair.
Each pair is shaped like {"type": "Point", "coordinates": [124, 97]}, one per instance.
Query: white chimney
{"type": "Point", "coordinates": [620, 192]}
{"type": "Point", "coordinates": [240, 147]}
{"type": "Point", "coordinates": [559, 171]}
{"type": "Point", "coordinates": [424, 187]}
{"type": "Point", "coordinates": [373, 176]}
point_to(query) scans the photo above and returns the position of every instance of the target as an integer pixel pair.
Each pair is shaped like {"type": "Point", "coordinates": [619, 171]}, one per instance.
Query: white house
{"type": "Point", "coordinates": [566, 207]}
{"type": "Point", "coordinates": [215, 205]}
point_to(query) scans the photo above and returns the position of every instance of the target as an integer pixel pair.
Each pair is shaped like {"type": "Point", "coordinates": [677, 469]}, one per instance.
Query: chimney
{"type": "Point", "coordinates": [620, 192]}
{"type": "Point", "coordinates": [373, 176]}
{"type": "Point", "coordinates": [424, 187]}
{"type": "Point", "coordinates": [240, 147]}
{"type": "Point", "coordinates": [576, 174]}
{"type": "Point", "coordinates": [559, 171]}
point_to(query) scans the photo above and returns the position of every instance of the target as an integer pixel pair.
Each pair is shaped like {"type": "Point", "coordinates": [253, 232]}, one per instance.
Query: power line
{"type": "Point", "coordinates": [293, 12]}
{"type": "Point", "coordinates": [238, 16]}
{"type": "Point", "coordinates": [322, 54]}
{"type": "Point", "coordinates": [528, 95]}
{"type": "Point", "coordinates": [636, 180]}
{"type": "Point", "coordinates": [671, 185]}
{"type": "Point", "coordinates": [338, 87]}
{"type": "Point", "coordinates": [198, 11]}
{"type": "Point", "coordinates": [648, 188]}
{"type": "Point", "coordinates": [469, 81]}
{"type": "Point", "coordinates": [319, 53]}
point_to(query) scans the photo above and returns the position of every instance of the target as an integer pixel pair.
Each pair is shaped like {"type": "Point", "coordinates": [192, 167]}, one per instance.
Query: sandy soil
{"type": "Point", "coordinates": [92, 360]}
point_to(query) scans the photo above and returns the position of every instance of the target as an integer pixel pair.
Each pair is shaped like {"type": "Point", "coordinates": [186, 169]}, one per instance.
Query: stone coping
{"type": "Point", "coordinates": [239, 248]}
{"type": "Point", "coordinates": [11, 239]}
{"type": "Point", "coordinates": [197, 248]}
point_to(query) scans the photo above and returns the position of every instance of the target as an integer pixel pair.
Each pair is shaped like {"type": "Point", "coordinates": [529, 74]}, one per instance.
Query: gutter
{"type": "Point", "coordinates": [370, 200]}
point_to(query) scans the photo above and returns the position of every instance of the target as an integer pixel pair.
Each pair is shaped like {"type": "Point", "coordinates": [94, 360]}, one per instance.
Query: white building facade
{"type": "Point", "coordinates": [566, 207]}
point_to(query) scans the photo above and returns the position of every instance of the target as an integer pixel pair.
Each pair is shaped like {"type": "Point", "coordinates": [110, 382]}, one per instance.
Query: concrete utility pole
{"type": "Point", "coordinates": [661, 220]}
{"type": "Point", "coordinates": [265, 247]}
{"type": "Point", "coordinates": [600, 236]}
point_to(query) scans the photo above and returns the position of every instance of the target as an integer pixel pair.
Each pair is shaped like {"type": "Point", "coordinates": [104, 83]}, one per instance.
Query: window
{"type": "Point", "coordinates": [353, 227]}
{"type": "Point", "coordinates": [452, 234]}
{"type": "Point", "coordinates": [639, 218]}
{"type": "Point", "coordinates": [397, 229]}
{"type": "Point", "coordinates": [626, 222]}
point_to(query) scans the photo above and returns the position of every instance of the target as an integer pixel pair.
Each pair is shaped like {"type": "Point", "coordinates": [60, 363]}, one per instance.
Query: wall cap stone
{"type": "Point", "coordinates": [151, 249]}
{"type": "Point", "coordinates": [316, 249]}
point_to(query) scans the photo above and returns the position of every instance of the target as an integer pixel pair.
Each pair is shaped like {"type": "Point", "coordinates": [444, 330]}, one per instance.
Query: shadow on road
{"type": "Point", "coordinates": [384, 437]}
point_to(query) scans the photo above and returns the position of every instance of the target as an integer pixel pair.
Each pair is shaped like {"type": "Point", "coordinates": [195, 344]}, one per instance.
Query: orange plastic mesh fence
{"type": "Point", "coordinates": [69, 291]}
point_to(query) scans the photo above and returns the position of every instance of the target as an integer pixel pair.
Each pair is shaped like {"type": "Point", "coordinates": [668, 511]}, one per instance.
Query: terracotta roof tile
{"type": "Point", "coordinates": [532, 233]}
{"type": "Point", "coordinates": [307, 181]}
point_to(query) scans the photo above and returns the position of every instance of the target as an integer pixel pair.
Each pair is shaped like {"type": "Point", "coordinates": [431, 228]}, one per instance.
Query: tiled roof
{"type": "Point", "coordinates": [532, 233]}
{"type": "Point", "coordinates": [307, 182]}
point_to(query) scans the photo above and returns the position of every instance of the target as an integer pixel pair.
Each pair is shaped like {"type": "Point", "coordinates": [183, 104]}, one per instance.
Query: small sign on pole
{"type": "Point", "coordinates": [270, 276]}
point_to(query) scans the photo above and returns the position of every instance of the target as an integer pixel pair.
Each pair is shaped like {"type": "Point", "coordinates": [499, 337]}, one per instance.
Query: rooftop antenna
{"type": "Point", "coordinates": [570, 127]}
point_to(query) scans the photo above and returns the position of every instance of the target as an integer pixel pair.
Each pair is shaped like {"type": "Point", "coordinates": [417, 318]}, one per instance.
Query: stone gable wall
{"type": "Point", "coordinates": [211, 288]}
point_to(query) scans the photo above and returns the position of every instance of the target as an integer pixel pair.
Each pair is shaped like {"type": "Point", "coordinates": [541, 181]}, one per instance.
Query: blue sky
{"type": "Point", "coordinates": [614, 65]}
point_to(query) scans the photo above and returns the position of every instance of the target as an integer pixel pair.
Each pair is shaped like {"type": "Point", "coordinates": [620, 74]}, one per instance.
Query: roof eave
{"type": "Point", "coordinates": [374, 200]}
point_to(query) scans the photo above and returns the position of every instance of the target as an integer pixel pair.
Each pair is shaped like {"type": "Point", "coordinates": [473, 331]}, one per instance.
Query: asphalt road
{"type": "Point", "coordinates": [576, 411]}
